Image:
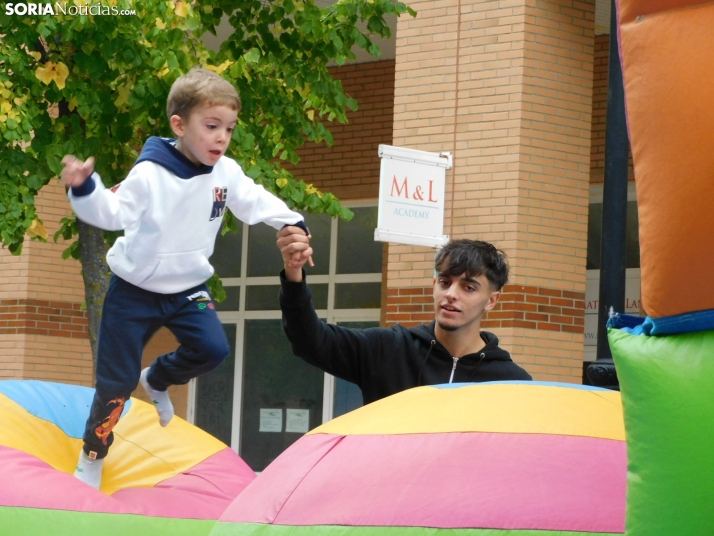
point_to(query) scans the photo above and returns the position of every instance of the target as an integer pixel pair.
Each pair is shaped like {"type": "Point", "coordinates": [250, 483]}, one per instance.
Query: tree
{"type": "Point", "coordinates": [92, 80]}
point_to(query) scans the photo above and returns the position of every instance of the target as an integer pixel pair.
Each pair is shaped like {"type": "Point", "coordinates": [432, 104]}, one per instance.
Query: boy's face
{"type": "Point", "coordinates": [204, 138]}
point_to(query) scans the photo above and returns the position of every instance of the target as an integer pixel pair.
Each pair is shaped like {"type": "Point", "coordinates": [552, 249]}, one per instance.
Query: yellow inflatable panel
{"type": "Point", "coordinates": [498, 407]}
{"type": "Point", "coordinates": [164, 452]}
{"type": "Point", "coordinates": [23, 431]}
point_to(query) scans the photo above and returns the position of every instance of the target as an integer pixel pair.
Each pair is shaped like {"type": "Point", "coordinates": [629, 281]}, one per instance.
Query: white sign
{"type": "Point", "coordinates": [297, 420]}
{"type": "Point", "coordinates": [592, 305]}
{"type": "Point", "coordinates": [411, 196]}
{"type": "Point", "coordinates": [271, 420]}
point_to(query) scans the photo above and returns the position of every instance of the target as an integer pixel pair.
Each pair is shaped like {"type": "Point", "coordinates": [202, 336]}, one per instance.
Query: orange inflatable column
{"type": "Point", "coordinates": [667, 50]}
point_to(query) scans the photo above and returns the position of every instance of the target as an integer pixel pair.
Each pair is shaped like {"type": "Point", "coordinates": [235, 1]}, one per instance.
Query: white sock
{"type": "Point", "coordinates": [89, 470]}
{"type": "Point", "coordinates": [160, 399]}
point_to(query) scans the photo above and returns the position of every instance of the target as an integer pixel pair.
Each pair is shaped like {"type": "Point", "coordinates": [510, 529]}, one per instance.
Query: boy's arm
{"type": "Point", "coordinates": [113, 209]}
{"type": "Point", "coordinates": [254, 204]}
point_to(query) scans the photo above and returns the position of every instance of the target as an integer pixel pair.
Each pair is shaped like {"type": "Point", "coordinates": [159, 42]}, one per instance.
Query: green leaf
{"type": "Point", "coordinates": [252, 56]}
{"type": "Point", "coordinates": [15, 248]}
{"type": "Point", "coordinates": [253, 172]}
{"type": "Point", "coordinates": [43, 30]}
{"type": "Point", "coordinates": [123, 133]}
{"type": "Point", "coordinates": [230, 224]}
{"type": "Point", "coordinates": [215, 288]}
{"type": "Point", "coordinates": [346, 214]}
{"type": "Point", "coordinates": [334, 208]}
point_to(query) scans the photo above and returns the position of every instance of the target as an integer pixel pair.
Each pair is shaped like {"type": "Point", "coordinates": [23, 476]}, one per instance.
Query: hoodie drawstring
{"type": "Point", "coordinates": [431, 347]}
{"type": "Point", "coordinates": [480, 359]}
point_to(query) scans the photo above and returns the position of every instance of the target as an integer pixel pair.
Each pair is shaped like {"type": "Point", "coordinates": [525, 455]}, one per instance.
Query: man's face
{"type": "Point", "coordinates": [459, 301]}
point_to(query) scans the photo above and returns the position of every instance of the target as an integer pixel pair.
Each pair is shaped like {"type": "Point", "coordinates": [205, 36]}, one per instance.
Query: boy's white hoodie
{"type": "Point", "coordinates": [171, 211]}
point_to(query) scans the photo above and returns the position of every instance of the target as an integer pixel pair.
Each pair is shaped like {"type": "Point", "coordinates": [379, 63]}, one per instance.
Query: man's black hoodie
{"type": "Point", "coordinates": [385, 361]}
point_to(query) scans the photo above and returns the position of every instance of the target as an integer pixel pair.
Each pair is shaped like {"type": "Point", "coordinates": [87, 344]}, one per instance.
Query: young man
{"type": "Point", "coordinates": [170, 207]}
{"type": "Point", "coordinates": [382, 361]}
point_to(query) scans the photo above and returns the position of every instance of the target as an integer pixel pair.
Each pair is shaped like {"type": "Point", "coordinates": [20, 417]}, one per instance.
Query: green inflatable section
{"type": "Point", "coordinates": [250, 529]}
{"type": "Point", "coordinates": [17, 521]}
{"type": "Point", "coordinates": [667, 386]}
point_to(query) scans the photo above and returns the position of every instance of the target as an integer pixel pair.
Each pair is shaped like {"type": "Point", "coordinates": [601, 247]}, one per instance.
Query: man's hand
{"type": "Point", "coordinates": [294, 245]}
{"type": "Point", "coordinates": [75, 172]}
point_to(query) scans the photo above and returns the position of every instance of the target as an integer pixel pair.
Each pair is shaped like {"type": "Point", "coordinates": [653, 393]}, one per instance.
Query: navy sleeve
{"type": "Point", "coordinates": [300, 224]}
{"type": "Point", "coordinates": [86, 188]}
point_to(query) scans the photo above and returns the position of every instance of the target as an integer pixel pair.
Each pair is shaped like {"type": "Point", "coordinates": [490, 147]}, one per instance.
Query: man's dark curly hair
{"type": "Point", "coordinates": [473, 258]}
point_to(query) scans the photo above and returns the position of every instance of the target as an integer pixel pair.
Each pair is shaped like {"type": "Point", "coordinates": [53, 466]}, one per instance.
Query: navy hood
{"type": "Point", "coordinates": [163, 151]}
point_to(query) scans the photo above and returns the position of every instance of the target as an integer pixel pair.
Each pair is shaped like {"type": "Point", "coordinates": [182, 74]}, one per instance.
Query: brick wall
{"type": "Point", "coordinates": [410, 306]}
{"type": "Point", "coordinates": [50, 277]}
{"type": "Point", "coordinates": [507, 86]}
{"type": "Point", "coordinates": [519, 306]}
{"type": "Point", "coordinates": [538, 308]}
{"type": "Point", "coordinates": [350, 168]}
{"type": "Point", "coordinates": [42, 330]}
{"type": "Point", "coordinates": [44, 358]}
{"type": "Point", "coordinates": [13, 275]}
{"type": "Point", "coordinates": [42, 317]}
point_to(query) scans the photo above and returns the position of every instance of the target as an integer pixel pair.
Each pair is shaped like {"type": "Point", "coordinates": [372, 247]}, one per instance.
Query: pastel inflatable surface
{"type": "Point", "coordinates": [175, 480]}
{"type": "Point", "coordinates": [667, 48]}
{"type": "Point", "coordinates": [668, 401]}
{"type": "Point", "coordinates": [490, 459]}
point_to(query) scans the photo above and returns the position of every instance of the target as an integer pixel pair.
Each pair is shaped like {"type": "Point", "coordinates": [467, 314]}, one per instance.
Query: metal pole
{"type": "Point", "coordinates": [614, 214]}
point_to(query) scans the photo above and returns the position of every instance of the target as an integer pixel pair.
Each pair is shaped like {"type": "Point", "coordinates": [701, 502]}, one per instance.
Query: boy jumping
{"type": "Point", "coordinates": [170, 207]}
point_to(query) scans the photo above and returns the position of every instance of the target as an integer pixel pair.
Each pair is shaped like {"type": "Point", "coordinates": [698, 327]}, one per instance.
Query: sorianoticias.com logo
{"type": "Point", "coordinates": [64, 8]}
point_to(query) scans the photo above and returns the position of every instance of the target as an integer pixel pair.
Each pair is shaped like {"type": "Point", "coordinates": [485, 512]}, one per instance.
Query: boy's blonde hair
{"type": "Point", "coordinates": [200, 86]}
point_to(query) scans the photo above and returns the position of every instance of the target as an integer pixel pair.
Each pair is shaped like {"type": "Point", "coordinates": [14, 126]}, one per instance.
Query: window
{"type": "Point", "coordinates": [263, 398]}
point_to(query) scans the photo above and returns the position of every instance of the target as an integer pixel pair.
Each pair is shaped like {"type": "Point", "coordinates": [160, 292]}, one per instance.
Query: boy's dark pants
{"type": "Point", "coordinates": [130, 317]}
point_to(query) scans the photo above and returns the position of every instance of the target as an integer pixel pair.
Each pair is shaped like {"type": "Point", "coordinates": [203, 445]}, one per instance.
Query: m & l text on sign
{"type": "Point", "coordinates": [411, 196]}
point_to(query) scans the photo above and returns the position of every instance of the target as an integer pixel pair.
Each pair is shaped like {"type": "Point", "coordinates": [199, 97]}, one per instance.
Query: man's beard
{"type": "Point", "coordinates": [448, 328]}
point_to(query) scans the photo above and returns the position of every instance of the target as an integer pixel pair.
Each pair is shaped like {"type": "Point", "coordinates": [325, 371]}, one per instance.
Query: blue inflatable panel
{"type": "Point", "coordinates": [66, 406]}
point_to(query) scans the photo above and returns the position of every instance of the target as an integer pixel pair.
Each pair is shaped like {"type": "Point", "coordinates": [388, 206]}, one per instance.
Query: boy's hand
{"type": "Point", "coordinates": [75, 172]}
{"type": "Point", "coordinates": [295, 248]}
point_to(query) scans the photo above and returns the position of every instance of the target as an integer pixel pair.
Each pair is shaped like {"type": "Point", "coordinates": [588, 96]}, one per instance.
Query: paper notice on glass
{"type": "Point", "coordinates": [297, 420]}
{"type": "Point", "coordinates": [271, 420]}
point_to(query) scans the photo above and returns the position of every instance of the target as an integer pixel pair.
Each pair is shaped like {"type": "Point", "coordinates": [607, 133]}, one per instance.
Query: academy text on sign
{"type": "Point", "coordinates": [63, 8]}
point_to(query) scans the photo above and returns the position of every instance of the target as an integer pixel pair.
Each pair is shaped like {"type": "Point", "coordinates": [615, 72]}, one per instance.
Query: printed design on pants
{"type": "Point", "coordinates": [108, 423]}
{"type": "Point", "coordinates": [202, 298]}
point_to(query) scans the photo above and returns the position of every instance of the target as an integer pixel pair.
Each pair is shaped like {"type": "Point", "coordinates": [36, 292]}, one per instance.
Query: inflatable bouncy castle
{"type": "Point", "coordinates": [176, 480]}
{"type": "Point", "coordinates": [489, 459]}
{"type": "Point", "coordinates": [665, 362]}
